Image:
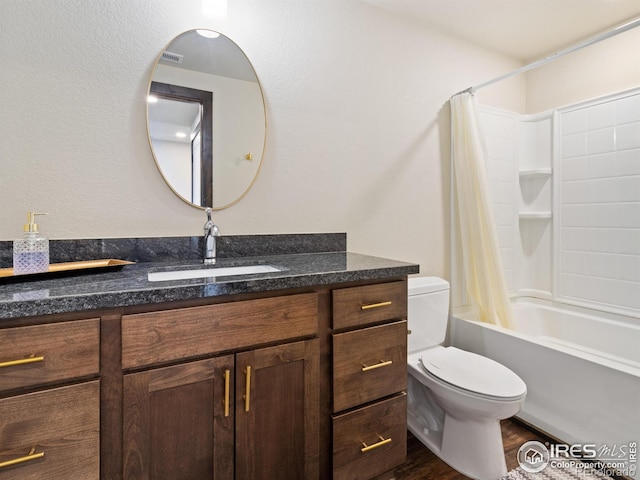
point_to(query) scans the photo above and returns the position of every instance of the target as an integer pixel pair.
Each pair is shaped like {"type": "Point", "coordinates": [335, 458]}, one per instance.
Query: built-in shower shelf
{"type": "Point", "coordinates": [536, 173]}
{"type": "Point", "coordinates": [535, 215]}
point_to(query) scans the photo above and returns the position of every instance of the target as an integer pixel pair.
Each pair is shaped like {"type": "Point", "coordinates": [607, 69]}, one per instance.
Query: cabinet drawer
{"type": "Point", "coordinates": [368, 364]}
{"type": "Point", "coordinates": [371, 440]}
{"type": "Point", "coordinates": [60, 425]}
{"type": "Point", "coordinates": [47, 353]}
{"type": "Point", "coordinates": [357, 306]}
{"type": "Point", "coordinates": [158, 337]}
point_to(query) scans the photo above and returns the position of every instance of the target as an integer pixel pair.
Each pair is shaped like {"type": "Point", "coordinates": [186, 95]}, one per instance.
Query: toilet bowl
{"type": "Point", "coordinates": [456, 398]}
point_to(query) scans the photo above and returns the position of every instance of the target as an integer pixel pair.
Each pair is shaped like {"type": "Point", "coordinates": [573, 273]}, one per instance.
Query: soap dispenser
{"type": "Point", "coordinates": [31, 253]}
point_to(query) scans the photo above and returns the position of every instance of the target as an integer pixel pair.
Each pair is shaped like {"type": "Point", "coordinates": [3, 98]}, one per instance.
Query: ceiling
{"type": "Point", "coordinates": [523, 29]}
{"type": "Point", "coordinates": [216, 56]}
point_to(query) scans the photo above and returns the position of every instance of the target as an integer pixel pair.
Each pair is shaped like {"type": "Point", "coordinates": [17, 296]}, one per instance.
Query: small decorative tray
{"type": "Point", "coordinates": [68, 268]}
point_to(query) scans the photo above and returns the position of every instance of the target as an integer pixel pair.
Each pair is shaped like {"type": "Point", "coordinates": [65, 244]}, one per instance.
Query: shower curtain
{"type": "Point", "coordinates": [484, 277]}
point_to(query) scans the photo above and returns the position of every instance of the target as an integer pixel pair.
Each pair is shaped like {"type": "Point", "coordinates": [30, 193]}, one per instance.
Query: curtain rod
{"type": "Point", "coordinates": [598, 38]}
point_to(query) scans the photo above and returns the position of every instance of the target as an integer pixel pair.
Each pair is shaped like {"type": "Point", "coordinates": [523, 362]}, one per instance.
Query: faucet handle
{"type": "Point", "coordinates": [208, 211]}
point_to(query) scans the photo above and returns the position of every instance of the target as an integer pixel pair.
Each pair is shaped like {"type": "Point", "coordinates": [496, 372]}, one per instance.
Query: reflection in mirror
{"type": "Point", "coordinates": [180, 131]}
{"type": "Point", "coordinates": [206, 119]}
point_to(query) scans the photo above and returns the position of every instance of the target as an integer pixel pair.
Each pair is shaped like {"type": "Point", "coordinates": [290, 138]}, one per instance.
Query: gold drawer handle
{"type": "Point", "coordinates": [227, 374]}
{"type": "Point", "coordinates": [382, 363]}
{"type": "Point", "coordinates": [375, 305]}
{"type": "Point", "coordinates": [31, 456]}
{"type": "Point", "coordinates": [247, 389]}
{"type": "Point", "coordinates": [23, 361]}
{"type": "Point", "coordinates": [383, 441]}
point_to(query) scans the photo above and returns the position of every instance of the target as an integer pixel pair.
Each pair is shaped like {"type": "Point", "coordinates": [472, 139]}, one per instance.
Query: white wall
{"type": "Point", "coordinates": [174, 158]}
{"type": "Point", "coordinates": [358, 124]}
{"type": "Point", "coordinates": [610, 66]}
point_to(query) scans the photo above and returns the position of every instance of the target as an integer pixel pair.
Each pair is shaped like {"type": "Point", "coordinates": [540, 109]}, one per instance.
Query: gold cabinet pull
{"type": "Point", "coordinates": [382, 363]}
{"type": "Point", "coordinates": [31, 456]}
{"type": "Point", "coordinates": [375, 305]}
{"type": "Point", "coordinates": [247, 389]}
{"type": "Point", "coordinates": [367, 448]}
{"type": "Point", "coordinates": [22, 361]}
{"type": "Point", "coordinates": [227, 374]}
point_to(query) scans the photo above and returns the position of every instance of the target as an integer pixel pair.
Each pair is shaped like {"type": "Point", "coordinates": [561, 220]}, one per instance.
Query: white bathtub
{"type": "Point", "coordinates": [581, 367]}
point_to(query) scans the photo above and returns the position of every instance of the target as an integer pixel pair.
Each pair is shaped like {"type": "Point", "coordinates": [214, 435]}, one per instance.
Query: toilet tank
{"type": "Point", "coordinates": [428, 312]}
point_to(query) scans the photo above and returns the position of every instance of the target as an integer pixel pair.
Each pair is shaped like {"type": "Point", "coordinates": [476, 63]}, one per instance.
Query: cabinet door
{"type": "Point", "coordinates": [277, 412]}
{"type": "Point", "coordinates": [178, 422]}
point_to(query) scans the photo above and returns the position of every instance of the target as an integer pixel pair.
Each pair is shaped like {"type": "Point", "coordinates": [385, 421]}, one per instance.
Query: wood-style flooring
{"type": "Point", "coordinates": [421, 464]}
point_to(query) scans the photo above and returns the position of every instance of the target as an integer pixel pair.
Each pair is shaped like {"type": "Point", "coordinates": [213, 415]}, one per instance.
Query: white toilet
{"type": "Point", "coordinates": [456, 398]}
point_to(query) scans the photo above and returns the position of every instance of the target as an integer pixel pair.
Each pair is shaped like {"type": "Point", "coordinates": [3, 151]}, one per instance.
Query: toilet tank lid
{"type": "Point", "coordinates": [421, 285]}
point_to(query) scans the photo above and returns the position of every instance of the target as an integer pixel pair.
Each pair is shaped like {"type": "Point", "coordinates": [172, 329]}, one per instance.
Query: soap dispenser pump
{"type": "Point", "coordinates": [31, 253]}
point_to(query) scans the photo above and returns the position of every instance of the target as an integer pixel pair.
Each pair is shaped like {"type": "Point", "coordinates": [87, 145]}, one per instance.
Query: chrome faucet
{"type": "Point", "coordinates": [211, 231]}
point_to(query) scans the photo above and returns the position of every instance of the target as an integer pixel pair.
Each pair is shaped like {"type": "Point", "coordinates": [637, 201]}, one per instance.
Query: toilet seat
{"type": "Point", "coordinates": [472, 372]}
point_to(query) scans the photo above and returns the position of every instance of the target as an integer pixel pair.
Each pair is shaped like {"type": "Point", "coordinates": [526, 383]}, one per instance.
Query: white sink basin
{"type": "Point", "coordinates": [210, 272]}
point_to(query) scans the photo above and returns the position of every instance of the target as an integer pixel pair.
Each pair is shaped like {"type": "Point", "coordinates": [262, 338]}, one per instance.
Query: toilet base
{"type": "Point", "coordinates": [474, 449]}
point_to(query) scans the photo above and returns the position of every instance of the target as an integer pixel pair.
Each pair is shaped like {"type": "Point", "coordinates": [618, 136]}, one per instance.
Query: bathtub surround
{"type": "Point", "coordinates": [565, 186]}
{"type": "Point", "coordinates": [519, 167]}
{"type": "Point", "coordinates": [597, 252]}
{"type": "Point", "coordinates": [484, 278]}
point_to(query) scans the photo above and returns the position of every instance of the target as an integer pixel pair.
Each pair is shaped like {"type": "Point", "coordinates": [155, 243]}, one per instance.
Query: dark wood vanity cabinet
{"type": "Point", "coordinates": [250, 414]}
{"type": "Point", "coordinates": [191, 421]}
{"type": "Point", "coordinates": [50, 401]}
{"type": "Point", "coordinates": [288, 385]}
{"type": "Point", "coordinates": [369, 377]}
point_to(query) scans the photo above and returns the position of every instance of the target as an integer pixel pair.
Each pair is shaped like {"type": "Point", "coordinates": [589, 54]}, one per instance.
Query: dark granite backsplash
{"type": "Point", "coordinates": [166, 249]}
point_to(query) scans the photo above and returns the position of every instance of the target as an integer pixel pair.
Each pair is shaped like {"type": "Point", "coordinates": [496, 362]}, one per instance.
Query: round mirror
{"type": "Point", "coordinates": [206, 119]}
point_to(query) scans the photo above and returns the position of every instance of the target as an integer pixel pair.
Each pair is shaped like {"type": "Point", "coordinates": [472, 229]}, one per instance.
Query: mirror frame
{"type": "Point", "coordinates": [176, 92]}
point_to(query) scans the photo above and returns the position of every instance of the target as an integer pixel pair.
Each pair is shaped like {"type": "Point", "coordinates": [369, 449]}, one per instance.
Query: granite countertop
{"type": "Point", "coordinates": [130, 285]}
